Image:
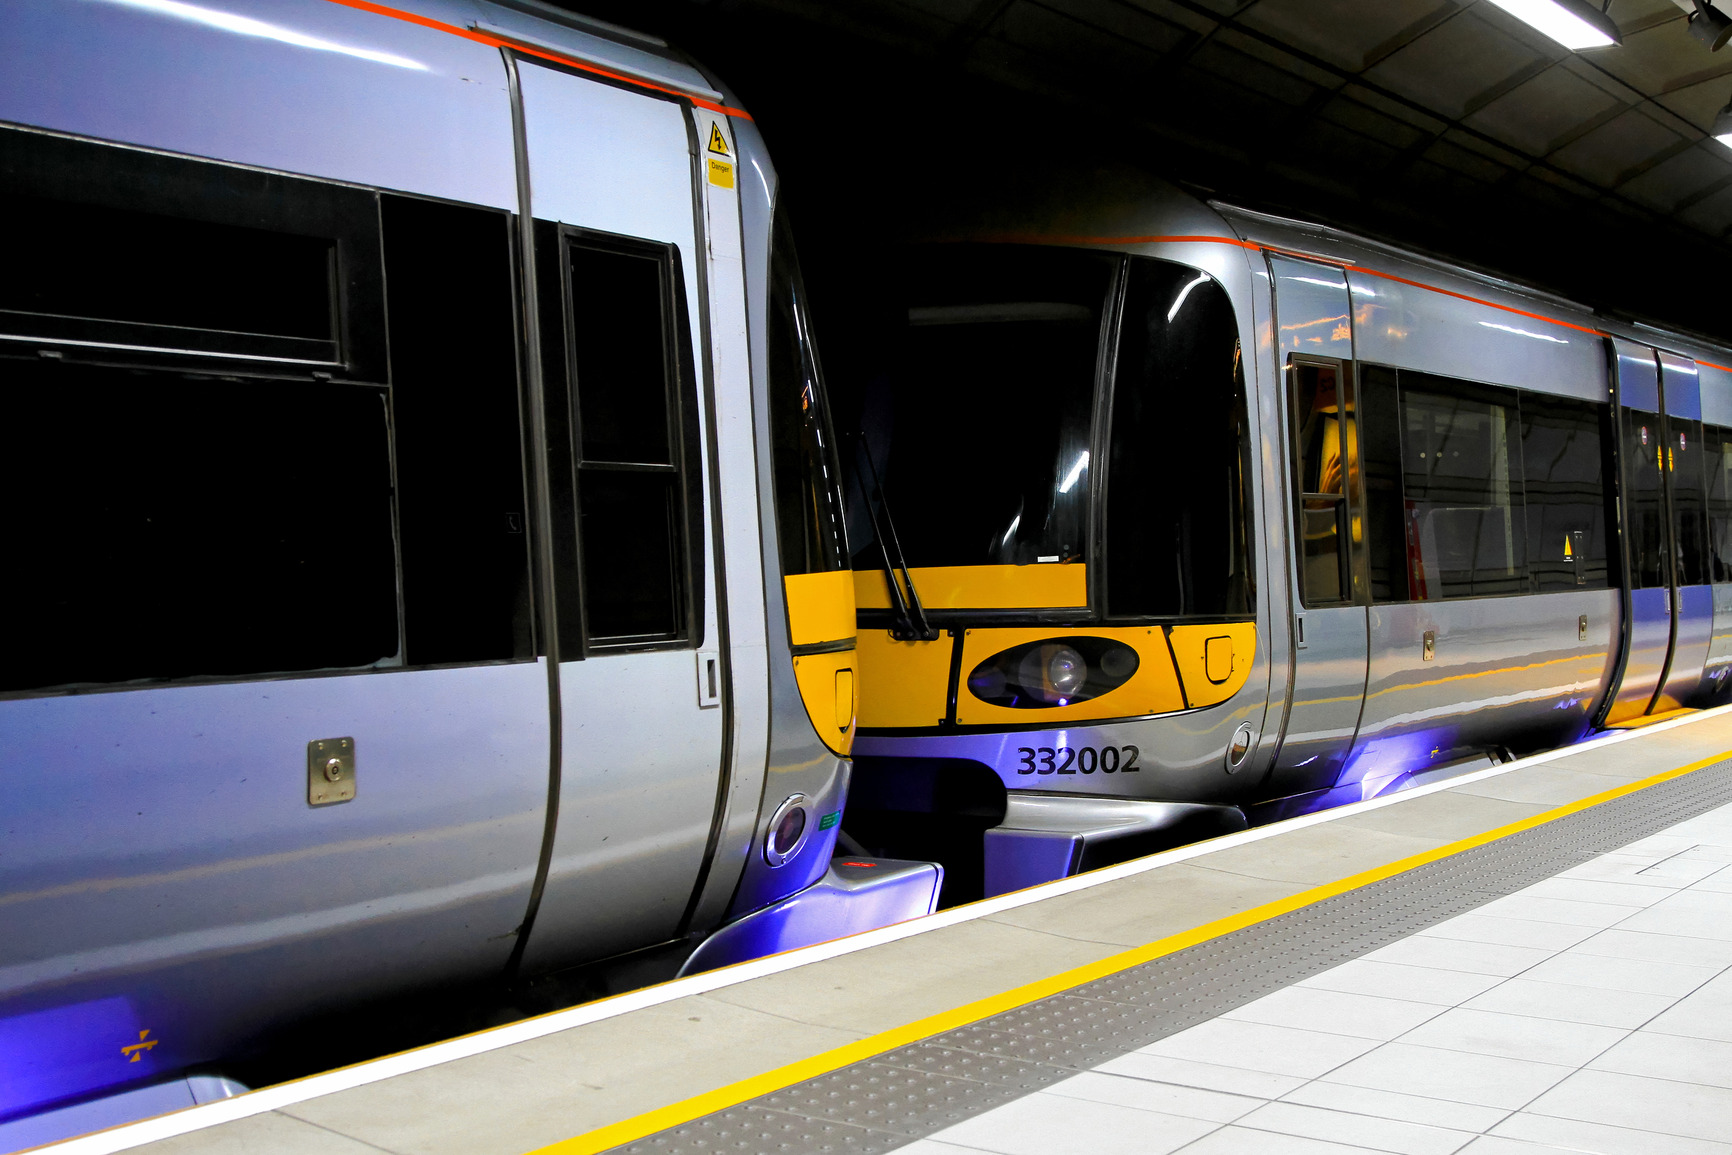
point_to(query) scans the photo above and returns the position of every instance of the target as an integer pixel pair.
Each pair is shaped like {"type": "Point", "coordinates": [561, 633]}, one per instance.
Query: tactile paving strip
{"type": "Point", "coordinates": [887, 1102]}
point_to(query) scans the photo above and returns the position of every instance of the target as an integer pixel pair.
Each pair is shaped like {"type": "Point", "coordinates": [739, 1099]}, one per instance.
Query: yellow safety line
{"type": "Point", "coordinates": [674, 1114]}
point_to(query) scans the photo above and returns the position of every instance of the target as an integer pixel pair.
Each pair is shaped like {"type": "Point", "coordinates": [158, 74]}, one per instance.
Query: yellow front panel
{"type": "Point", "coordinates": [1214, 661]}
{"type": "Point", "coordinates": [823, 679]}
{"type": "Point", "coordinates": [1153, 689]}
{"type": "Point", "coordinates": [820, 606]}
{"type": "Point", "coordinates": [982, 587]}
{"type": "Point", "coordinates": [902, 683]}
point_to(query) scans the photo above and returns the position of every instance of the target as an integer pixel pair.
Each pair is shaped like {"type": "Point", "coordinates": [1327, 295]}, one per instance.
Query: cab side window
{"type": "Point", "coordinates": [1177, 489]}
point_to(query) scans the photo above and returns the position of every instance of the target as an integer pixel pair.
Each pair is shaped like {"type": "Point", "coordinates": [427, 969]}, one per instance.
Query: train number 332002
{"type": "Point", "coordinates": [1081, 760]}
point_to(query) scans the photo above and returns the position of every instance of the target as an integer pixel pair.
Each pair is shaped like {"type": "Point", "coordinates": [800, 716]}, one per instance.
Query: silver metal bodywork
{"type": "Point", "coordinates": [161, 869]}
{"type": "Point", "coordinates": [1368, 695]}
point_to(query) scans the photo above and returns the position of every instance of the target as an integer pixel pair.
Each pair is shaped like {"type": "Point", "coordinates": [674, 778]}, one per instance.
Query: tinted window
{"type": "Point", "coordinates": [127, 252]}
{"type": "Point", "coordinates": [1177, 488]}
{"type": "Point", "coordinates": [1684, 461]}
{"type": "Point", "coordinates": [1321, 415]}
{"type": "Point", "coordinates": [454, 403]}
{"type": "Point", "coordinates": [1564, 470]}
{"type": "Point", "coordinates": [809, 518]}
{"type": "Point", "coordinates": [621, 424]}
{"type": "Point", "coordinates": [160, 526]}
{"type": "Point", "coordinates": [1718, 444]}
{"type": "Point", "coordinates": [1645, 533]}
{"type": "Point", "coordinates": [1466, 534]}
{"type": "Point", "coordinates": [620, 347]}
{"type": "Point", "coordinates": [1380, 464]}
{"type": "Point", "coordinates": [1000, 341]}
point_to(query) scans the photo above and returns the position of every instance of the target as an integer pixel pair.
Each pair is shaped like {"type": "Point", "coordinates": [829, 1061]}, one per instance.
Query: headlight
{"type": "Point", "coordinates": [1053, 672]}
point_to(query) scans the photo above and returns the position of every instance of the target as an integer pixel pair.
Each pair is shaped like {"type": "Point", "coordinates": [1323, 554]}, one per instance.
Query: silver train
{"type": "Point", "coordinates": [423, 530]}
{"type": "Point", "coordinates": [1174, 516]}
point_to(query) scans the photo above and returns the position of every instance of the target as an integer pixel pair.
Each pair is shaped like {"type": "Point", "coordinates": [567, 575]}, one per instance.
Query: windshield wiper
{"type": "Point", "coordinates": [908, 621]}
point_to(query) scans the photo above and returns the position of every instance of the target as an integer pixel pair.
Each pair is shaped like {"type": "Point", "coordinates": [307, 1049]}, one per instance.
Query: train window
{"type": "Point", "coordinates": [1319, 398]}
{"type": "Point", "coordinates": [809, 517]}
{"type": "Point", "coordinates": [1645, 538]}
{"type": "Point", "coordinates": [1462, 483]}
{"type": "Point", "coordinates": [162, 525]}
{"type": "Point", "coordinates": [454, 405]}
{"type": "Point", "coordinates": [1379, 427]}
{"type": "Point", "coordinates": [1000, 341]}
{"type": "Point", "coordinates": [1564, 474]}
{"type": "Point", "coordinates": [1177, 493]}
{"type": "Point", "coordinates": [1717, 445]}
{"type": "Point", "coordinates": [166, 260]}
{"type": "Point", "coordinates": [1684, 462]}
{"type": "Point", "coordinates": [631, 420]}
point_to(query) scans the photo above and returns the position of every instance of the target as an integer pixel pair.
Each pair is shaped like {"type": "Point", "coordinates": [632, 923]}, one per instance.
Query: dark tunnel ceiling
{"type": "Point", "coordinates": [1446, 124]}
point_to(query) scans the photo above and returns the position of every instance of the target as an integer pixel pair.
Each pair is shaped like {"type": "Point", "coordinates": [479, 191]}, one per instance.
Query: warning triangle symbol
{"type": "Point", "coordinates": [718, 142]}
{"type": "Point", "coordinates": [1567, 551]}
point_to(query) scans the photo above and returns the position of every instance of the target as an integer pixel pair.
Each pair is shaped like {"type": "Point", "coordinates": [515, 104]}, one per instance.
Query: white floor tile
{"type": "Point", "coordinates": [1621, 942]}
{"type": "Point", "coordinates": [1457, 955]}
{"type": "Point", "coordinates": [1042, 1124]}
{"type": "Point", "coordinates": [1706, 1014]}
{"type": "Point", "coordinates": [1455, 1075]}
{"type": "Point", "coordinates": [1572, 1004]}
{"type": "Point", "coordinates": [1260, 1047]}
{"type": "Point", "coordinates": [1243, 1141]}
{"type": "Point", "coordinates": [1600, 1139]}
{"type": "Point", "coordinates": [1567, 911]}
{"type": "Point", "coordinates": [933, 1147]}
{"type": "Point", "coordinates": [1684, 1060]}
{"type": "Point", "coordinates": [1644, 976]}
{"type": "Point", "coordinates": [1511, 931]}
{"type": "Point", "coordinates": [1419, 984]}
{"type": "Point", "coordinates": [1633, 871]}
{"type": "Point", "coordinates": [1360, 1130]}
{"type": "Point", "coordinates": [1144, 1095]}
{"type": "Point", "coordinates": [1585, 890]}
{"type": "Point", "coordinates": [1689, 913]}
{"type": "Point", "coordinates": [1393, 1105]}
{"type": "Point", "coordinates": [1494, 1145]}
{"type": "Point", "coordinates": [1515, 1037]}
{"type": "Point", "coordinates": [1336, 1012]}
{"type": "Point", "coordinates": [1658, 1105]}
{"type": "Point", "coordinates": [1209, 1076]}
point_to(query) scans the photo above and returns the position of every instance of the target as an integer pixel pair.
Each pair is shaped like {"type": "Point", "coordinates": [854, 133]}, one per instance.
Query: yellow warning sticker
{"type": "Point", "coordinates": [1568, 553]}
{"type": "Point", "coordinates": [721, 174]}
{"type": "Point", "coordinates": [718, 142]}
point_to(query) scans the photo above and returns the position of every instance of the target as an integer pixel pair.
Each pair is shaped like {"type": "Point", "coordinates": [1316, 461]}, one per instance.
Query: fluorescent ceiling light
{"type": "Point", "coordinates": [1576, 24]}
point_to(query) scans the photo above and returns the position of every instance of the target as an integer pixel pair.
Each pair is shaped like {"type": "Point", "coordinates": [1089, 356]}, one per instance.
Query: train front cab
{"type": "Point", "coordinates": [1439, 466]}
{"type": "Point", "coordinates": [1056, 467]}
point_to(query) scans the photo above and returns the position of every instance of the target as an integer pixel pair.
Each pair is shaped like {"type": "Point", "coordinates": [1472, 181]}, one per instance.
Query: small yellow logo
{"type": "Point", "coordinates": [136, 1051]}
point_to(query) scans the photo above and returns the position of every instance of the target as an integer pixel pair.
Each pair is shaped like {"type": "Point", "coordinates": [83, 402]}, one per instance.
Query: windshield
{"type": "Point", "coordinates": [975, 414]}
{"type": "Point", "coordinates": [807, 485]}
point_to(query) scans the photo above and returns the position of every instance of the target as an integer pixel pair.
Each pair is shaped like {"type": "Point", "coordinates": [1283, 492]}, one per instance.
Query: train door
{"type": "Point", "coordinates": [1328, 567]}
{"type": "Point", "coordinates": [617, 270]}
{"type": "Point", "coordinates": [1660, 431]}
{"type": "Point", "coordinates": [1686, 482]}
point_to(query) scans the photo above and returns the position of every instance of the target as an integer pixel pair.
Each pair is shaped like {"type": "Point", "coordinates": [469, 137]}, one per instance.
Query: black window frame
{"type": "Point", "coordinates": [1380, 531]}
{"type": "Point", "coordinates": [97, 175]}
{"type": "Point", "coordinates": [554, 243]}
{"type": "Point", "coordinates": [118, 177]}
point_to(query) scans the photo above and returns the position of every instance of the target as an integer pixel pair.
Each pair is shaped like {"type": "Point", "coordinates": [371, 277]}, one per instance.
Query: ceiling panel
{"type": "Point", "coordinates": [1457, 65]}
{"type": "Point", "coordinates": [1544, 111]}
